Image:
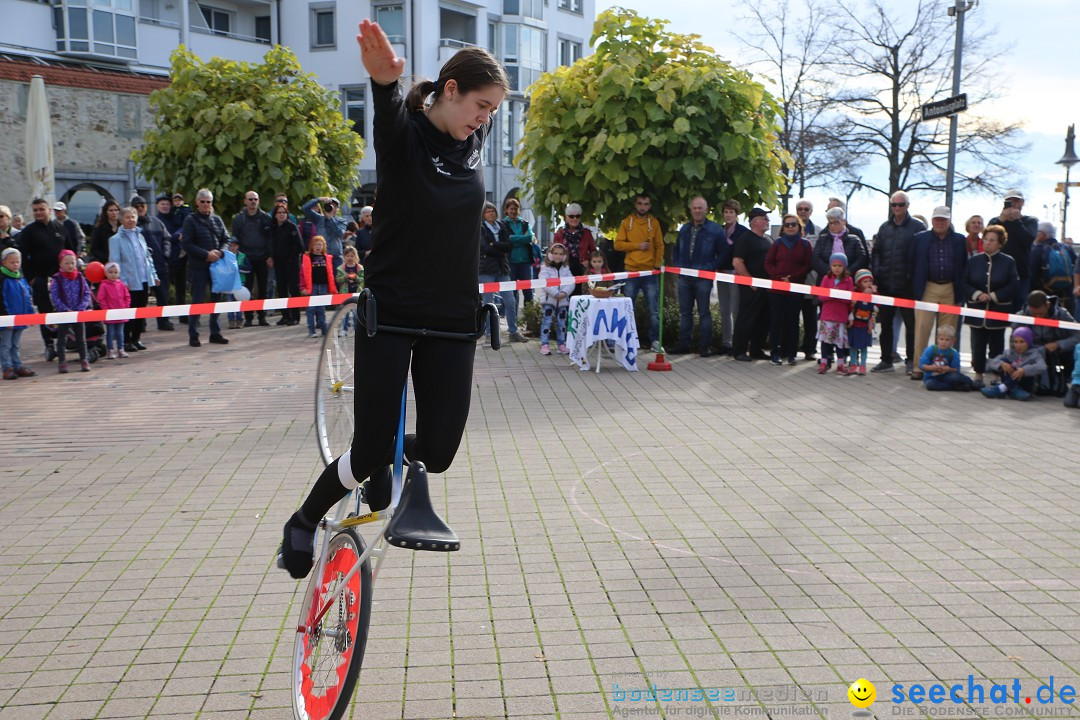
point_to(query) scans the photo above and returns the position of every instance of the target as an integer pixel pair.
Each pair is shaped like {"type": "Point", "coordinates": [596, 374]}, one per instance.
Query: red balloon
{"type": "Point", "coordinates": [95, 272]}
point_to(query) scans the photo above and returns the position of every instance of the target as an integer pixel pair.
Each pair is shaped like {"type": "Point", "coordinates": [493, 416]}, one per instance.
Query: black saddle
{"type": "Point", "coordinates": [415, 524]}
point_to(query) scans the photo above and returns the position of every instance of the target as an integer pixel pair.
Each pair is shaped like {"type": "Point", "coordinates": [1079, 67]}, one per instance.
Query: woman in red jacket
{"type": "Point", "coordinates": [788, 260]}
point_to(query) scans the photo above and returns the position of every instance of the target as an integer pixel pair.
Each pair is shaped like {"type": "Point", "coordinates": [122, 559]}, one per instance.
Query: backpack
{"type": "Point", "coordinates": [1057, 275]}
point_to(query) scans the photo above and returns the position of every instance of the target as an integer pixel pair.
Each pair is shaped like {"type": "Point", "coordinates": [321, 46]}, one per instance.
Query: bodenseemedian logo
{"type": "Point", "coordinates": [971, 698]}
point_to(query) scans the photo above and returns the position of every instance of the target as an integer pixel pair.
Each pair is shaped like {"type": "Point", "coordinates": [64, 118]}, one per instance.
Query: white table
{"type": "Point", "coordinates": [592, 320]}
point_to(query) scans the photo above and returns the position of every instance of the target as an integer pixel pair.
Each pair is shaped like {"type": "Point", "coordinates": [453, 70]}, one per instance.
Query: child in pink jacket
{"type": "Point", "coordinates": [113, 294]}
{"type": "Point", "coordinates": [832, 330]}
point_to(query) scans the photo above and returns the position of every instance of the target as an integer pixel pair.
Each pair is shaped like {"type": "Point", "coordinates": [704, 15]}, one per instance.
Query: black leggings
{"type": "Point", "coordinates": [442, 390]}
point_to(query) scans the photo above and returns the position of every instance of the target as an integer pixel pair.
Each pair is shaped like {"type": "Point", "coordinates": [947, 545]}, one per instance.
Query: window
{"type": "Point", "coordinates": [218, 21]}
{"type": "Point", "coordinates": [391, 19]}
{"type": "Point", "coordinates": [322, 26]}
{"type": "Point", "coordinates": [507, 134]}
{"type": "Point", "coordinates": [493, 35]}
{"type": "Point", "coordinates": [354, 104]}
{"type": "Point", "coordinates": [571, 5]}
{"type": "Point", "coordinates": [458, 27]}
{"type": "Point", "coordinates": [523, 55]}
{"type": "Point", "coordinates": [569, 52]}
{"type": "Point", "coordinates": [262, 28]}
{"type": "Point", "coordinates": [107, 29]}
{"type": "Point", "coordinates": [525, 8]}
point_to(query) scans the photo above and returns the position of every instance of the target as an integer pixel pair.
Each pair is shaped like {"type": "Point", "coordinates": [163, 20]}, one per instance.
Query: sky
{"type": "Point", "coordinates": [1039, 79]}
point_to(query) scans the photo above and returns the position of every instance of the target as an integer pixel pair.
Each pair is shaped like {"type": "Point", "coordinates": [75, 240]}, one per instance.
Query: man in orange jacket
{"type": "Point", "coordinates": [640, 238]}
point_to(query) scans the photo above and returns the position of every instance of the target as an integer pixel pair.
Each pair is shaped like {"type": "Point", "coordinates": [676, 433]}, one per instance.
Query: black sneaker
{"type": "Point", "coordinates": [194, 342]}
{"type": "Point", "coordinates": [775, 360]}
{"type": "Point", "coordinates": [378, 488]}
{"type": "Point", "coordinates": [297, 546]}
{"type": "Point", "coordinates": [793, 361]}
{"type": "Point", "coordinates": [883, 366]}
{"type": "Point", "coordinates": [263, 322]}
{"type": "Point", "coordinates": [50, 353]}
{"type": "Point", "coordinates": [166, 326]}
{"type": "Point", "coordinates": [219, 339]}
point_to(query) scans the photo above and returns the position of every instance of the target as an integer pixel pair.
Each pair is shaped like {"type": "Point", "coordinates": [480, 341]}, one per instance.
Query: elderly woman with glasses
{"type": "Point", "coordinates": [788, 260]}
{"type": "Point", "coordinates": [578, 240]}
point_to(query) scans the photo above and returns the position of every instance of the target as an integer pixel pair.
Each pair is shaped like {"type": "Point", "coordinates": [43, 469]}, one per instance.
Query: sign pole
{"type": "Point", "coordinates": [958, 10]}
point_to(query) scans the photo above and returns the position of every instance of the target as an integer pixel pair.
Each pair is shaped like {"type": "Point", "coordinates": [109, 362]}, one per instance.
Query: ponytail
{"type": "Point", "coordinates": [472, 68]}
{"type": "Point", "coordinates": [414, 101]}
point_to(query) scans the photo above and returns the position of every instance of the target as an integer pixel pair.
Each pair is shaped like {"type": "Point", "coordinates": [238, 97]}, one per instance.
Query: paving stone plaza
{"type": "Point", "coordinates": [727, 539]}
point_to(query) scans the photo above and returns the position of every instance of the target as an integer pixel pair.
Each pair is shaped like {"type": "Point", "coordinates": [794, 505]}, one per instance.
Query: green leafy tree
{"type": "Point", "coordinates": [655, 111]}
{"type": "Point", "coordinates": [233, 127]}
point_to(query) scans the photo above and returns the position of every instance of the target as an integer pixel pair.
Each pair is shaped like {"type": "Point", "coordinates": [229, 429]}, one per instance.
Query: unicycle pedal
{"type": "Point", "coordinates": [415, 524]}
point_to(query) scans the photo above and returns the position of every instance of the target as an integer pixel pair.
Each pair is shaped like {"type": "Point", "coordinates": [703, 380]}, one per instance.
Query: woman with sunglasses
{"type": "Point", "coordinates": [578, 240]}
{"type": "Point", "coordinates": [788, 260]}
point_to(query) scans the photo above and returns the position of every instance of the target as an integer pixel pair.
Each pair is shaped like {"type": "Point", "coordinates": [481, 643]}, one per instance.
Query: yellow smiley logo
{"type": "Point", "coordinates": [862, 693]}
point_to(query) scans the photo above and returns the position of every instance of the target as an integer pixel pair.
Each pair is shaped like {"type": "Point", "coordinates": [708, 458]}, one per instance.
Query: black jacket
{"type": "Point", "coordinates": [203, 233]}
{"type": "Point", "coordinates": [99, 240]}
{"type": "Point", "coordinates": [286, 245]}
{"type": "Point", "coordinates": [996, 276]}
{"type": "Point", "coordinates": [1066, 339]}
{"type": "Point", "coordinates": [40, 244]}
{"type": "Point", "coordinates": [889, 260]}
{"type": "Point", "coordinates": [158, 241]}
{"type": "Point", "coordinates": [174, 223]}
{"type": "Point", "coordinates": [1021, 237]}
{"type": "Point", "coordinates": [495, 251]}
{"type": "Point", "coordinates": [853, 248]}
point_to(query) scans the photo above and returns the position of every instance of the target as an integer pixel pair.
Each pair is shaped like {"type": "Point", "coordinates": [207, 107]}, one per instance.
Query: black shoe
{"type": "Point", "coordinates": [743, 357]}
{"type": "Point", "coordinates": [166, 326]}
{"type": "Point", "coordinates": [679, 350]}
{"type": "Point", "coordinates": [378, 488]}
{"type": "Point", "coordinates": [50, 353]}
{"type": "Point", "coordinates": [707, 352]}
{"type": "Point", "coordinates": [248, 322]}
{"type": "Point", "coordinates": [282, 321]}
{"type": "Point", "coordinates": [138, 345]}
{"type": "Point", "coordinates": [182, 320]}
{"type": "Point", "coordinates": [793, 361]}
{"type": "Point", "coordinates": [810, 357]}
{"type": "Point", "coordinates": [1072, 396]}
{"type": "Point", "coordinates": [263, 322]}
{"type": "Point", "coordinates": [725, 350]}
{"type": "Point", "coordinates": [219, 340]}
{"type": "Point", "coordinates": [130, 347]}
{"type": "Point", "coordinates": [194, 342]}
{"type": "Point", "coordinates": [883, 367]}
{"type": "Point", "coordinates": [758, 356]}
{"type": "Point", "coordinates": [775, 360]}
{"type": "Point", "coordinates": [297, 546]}
{"type": "Point", "coordinates": [896, 358]}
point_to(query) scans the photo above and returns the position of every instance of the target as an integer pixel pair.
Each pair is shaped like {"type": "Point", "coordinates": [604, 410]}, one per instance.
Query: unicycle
{"type": "Point", "coordinates": [331, 635]}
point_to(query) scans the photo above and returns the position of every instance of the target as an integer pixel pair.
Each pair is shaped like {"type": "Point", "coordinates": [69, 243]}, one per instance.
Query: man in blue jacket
{"type": "Point", "coordinates": [702, 245]}
{"type": "Point", "coordinates": [936, 259]}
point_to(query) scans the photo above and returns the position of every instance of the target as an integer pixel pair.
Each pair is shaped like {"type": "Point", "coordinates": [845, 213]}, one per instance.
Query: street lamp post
{"type": "Point", "coordinates": [1068, 160]}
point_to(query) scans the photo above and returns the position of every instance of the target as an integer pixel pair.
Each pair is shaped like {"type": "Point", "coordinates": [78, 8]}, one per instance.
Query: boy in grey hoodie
{"type": "Point", "coordinates": [1018, 367]}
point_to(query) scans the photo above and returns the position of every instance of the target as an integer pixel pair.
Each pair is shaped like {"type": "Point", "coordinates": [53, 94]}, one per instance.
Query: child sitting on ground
{"type": "Point", "coordinates": [70, 292]}
{"type": "Point", "coordinates": [113, 294]}
{"type": "Point", "coordinates": [15, 299]}
{"type": "Point", "coordinates": [861, 323]}
{"type": "Point", "coordinates": [555, 300]}
{"type": "Point", "coordinates": [1019, 366]}
{"type": "Point", "coordinates": [940, 364]}
{"type": "Point", "coordinates": [1072, 393]}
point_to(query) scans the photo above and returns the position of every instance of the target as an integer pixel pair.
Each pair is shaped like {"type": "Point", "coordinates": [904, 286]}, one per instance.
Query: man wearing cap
{"type": "Point", "coordinates": [889, 263]}
{"type": "Point", "coordinates": [329, 224]}
{"type": "Point", "coordinates": [752, 322]}
{"type": "Point", "coordinates": [936, 259]}
{"type": "Point", "coordinates": [76, 236]}
{"type": "Point", "coordinates": [251, 229]}
{"type": "Point", "coordinates": [158, 240]}
{"type": "Point", "coordinates": [1022, 230]}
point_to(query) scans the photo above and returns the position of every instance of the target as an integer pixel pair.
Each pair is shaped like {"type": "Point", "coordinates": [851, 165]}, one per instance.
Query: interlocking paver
{"type": "Point", "coordinates": [723, 525]}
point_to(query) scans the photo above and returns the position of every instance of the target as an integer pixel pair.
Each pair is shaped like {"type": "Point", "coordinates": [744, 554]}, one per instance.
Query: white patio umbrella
{"type": "Point", "coordinates": [39, 147]}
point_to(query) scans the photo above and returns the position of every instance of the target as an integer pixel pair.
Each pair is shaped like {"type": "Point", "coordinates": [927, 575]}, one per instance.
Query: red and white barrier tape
{"type": "Point", "coordinates": [58, 318]}
{"type": "Point", "coordinates": [790, 287]}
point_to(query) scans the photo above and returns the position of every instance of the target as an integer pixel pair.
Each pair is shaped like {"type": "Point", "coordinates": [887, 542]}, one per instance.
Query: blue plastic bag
{"type": "Point", "coordinates": [225, 274]}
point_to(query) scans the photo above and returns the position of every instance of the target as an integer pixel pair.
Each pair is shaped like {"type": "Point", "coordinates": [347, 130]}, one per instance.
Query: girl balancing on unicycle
{"type": "Point", "coordinates": [428, 148]}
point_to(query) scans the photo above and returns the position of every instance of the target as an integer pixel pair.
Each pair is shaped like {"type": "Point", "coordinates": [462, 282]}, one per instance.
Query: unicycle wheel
{"type": "Point", "coordinates": [329, 652]}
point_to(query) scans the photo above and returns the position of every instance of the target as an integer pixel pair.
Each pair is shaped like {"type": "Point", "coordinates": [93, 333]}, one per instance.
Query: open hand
{"type": "Point", "coordinates": [380, 61]}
